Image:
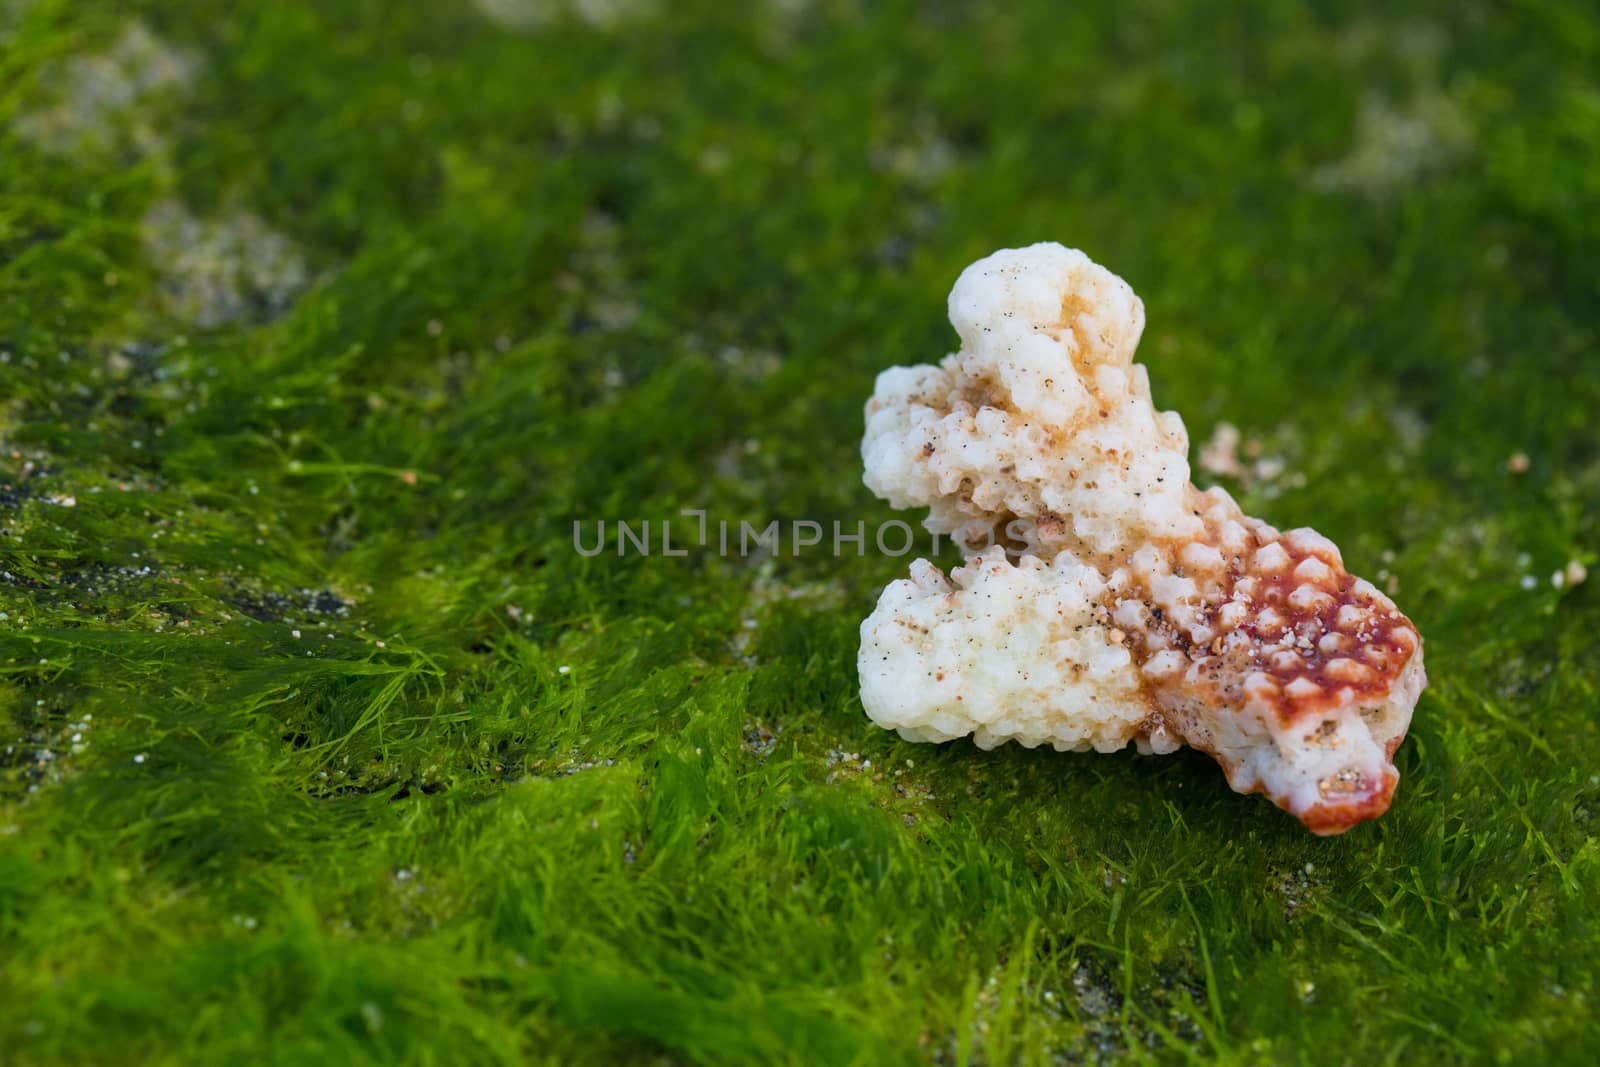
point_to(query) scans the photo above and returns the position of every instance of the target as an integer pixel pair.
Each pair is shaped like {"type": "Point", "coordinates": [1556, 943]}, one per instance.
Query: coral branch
{"type": "Point", "coordinates": [1138, 608]}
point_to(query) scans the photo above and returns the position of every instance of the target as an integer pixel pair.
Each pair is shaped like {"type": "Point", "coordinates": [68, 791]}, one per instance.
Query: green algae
{"type": "Point", "coordinates": [320, 743]}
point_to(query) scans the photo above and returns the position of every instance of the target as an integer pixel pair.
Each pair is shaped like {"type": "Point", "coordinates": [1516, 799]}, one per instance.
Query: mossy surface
{"type": "Point", "coordinates": [321, 324]}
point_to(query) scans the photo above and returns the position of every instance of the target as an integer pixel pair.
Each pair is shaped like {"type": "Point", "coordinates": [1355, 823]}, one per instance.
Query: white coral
{"type": "Point", "coordinates": [1139, 609]}
{"type": "Point", "coordinates": [1042, 414]}
{"type": "Point", "coordinates": [1005, 653]}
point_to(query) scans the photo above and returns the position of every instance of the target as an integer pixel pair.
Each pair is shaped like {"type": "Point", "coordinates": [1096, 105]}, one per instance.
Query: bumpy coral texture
{"type": "Point", "coordinates": [1106, 599]}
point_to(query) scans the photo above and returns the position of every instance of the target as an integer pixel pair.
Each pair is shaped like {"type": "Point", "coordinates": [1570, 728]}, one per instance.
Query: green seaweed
{"type": "Point", "coordinates": [319, 742]}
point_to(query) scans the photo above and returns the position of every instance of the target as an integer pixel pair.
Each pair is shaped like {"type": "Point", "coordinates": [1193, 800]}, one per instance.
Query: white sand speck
{"type": "Point", "coordinates": [221, 270]}
{"type": "Point", "coordinates": [526, 15]}
{"type": "Point", "coordinates": [99, 102]}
